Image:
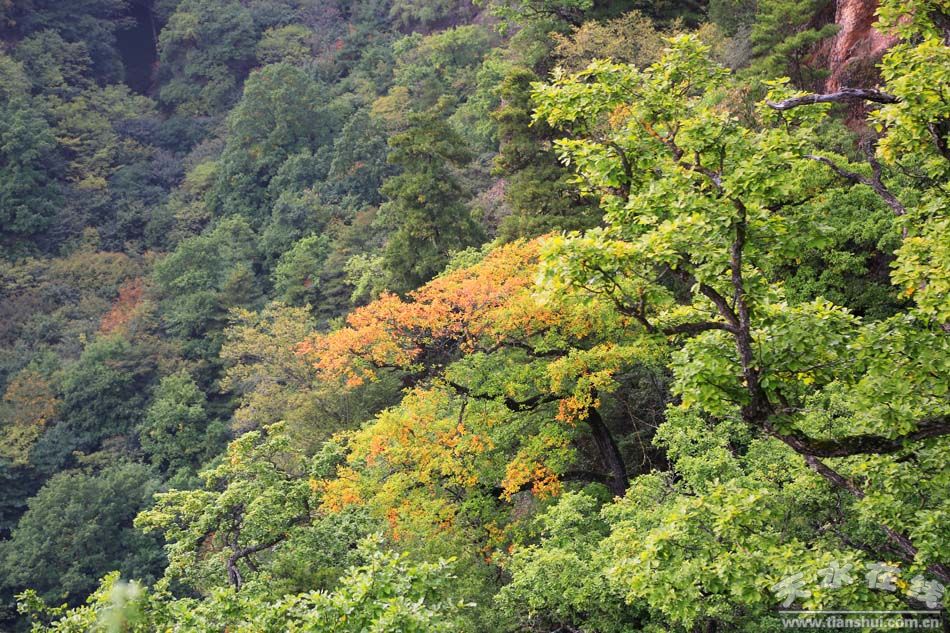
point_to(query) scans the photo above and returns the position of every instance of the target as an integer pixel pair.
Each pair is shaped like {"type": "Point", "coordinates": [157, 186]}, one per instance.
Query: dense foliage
{"type": "Point", "coordinates": [504, 315]}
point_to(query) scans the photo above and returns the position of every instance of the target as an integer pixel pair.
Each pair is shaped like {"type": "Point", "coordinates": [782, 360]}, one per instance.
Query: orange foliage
{"type": "Point", "coordinates": [543, 481]}
{"type": "Point", "coordinates": [401, 466]}
{"type": "Point", "coordinates": [413, 466]}
{"type": "Point", "coordinates": [124, 308]}
{"type": "Point", "coordinates": [461, 310]}
{"type": "Point", "coordinates": [31, 398]}
{"type": "Point", "coordinates": [339, 493]}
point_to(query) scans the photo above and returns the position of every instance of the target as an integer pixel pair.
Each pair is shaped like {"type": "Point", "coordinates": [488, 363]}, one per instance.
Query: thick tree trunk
{"type": "Point", "coordinates": [609, 453]}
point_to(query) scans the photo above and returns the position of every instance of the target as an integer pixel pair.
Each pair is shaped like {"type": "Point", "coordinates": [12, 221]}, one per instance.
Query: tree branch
{"type": "Point", "coordinates": [609, 452]}
{"type": "Point", "coordinates": [850, 95]}
{"type": "Point", "coordinates": [517, 406]}
{"type": "Point", "coordinates": [863, 444]}
{"type": "Point", "coordinates": [238, 553]}
{"type": "Point", "coordinates": [721, 304]}
{"type": "Point", "coordinates": [697, 328]}
{"type": "Point", "coordinates": [845, 95]}
{"type": "Point", "coordinates": [234, 574]}
{"type": "Point", "coordinates": [627, 167]}
{"type": "Point", "coordinates": [874, 183]}
{"type": "Point", "coordinates": [900, 541]}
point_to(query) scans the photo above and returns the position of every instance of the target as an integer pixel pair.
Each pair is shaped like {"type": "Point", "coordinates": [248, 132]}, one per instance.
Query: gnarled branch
{"type": "Point", "coordinates": [874, 183]}
{"type": "Point", "coordinates": [516, 406]}
{"type": "Point", "coordinates": [234, 573]}
{"type": "Point", "coordinates": [864, 444]}
{"type": "Point", "coordinates": [845, 95]}
{"type": "Point", "coordinates": [903, 545]}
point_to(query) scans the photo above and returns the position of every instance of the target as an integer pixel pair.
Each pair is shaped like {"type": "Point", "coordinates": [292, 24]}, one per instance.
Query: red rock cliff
{"type": "Point", "coordinates": [857, 46]}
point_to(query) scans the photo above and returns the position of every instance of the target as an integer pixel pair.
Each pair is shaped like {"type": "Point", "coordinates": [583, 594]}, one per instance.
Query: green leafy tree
{"type": "Point", "coordinates": [570, 12]}
{"type": "Point", "coordinates": [358, 165]}
{"type": "Point", "coordinates": [441, 66]}
{"type": "Point", "coordinates": [560, 578]}
{"type": "Point", "coordinates": [295, 215]}
{"type": "Point", "coordinates": [205, 51]}
{"type": "Point", "coordinates": [387, 593]}
{"type": "Point", "coordinates": [29, 194]}
{"type": "Point", "coordinates": [177, 432]}
{"type": "Point", "coordinates": [234, 526]}
{"type": "Point", "coordinates": [91, 132]}
{"type": "Point", "coordinates": [406, 13]}
{"type": "Point", "coordinates": [105, 392]}
{"type": "Point", "coordinates": [537, 187]}
{"type": "Point", "coordinates": [783, 39]}
{"type": "Point", "coordinates": [205, 277]}
{"type": "Point", "coordinates": [700, 211]}
{"type": "Point", "coordinates": [78, 528]}
{"type": "Point", "coordinates": [286, 44]}
{"type": "Point", "coordinates": [425, 210]}
{"type": "Point", "coordinates": [631, 38]}
{"type": "Point", "coordinates": [278, 116]}
{"type": "Point", "coordinates": [298, 273]}
{"type": "Point", "coordinates": [916, 141]}
{"type": "Point", "coordinates": [90, 22]}
{"type": "Point", "coordinates": [53, 65]}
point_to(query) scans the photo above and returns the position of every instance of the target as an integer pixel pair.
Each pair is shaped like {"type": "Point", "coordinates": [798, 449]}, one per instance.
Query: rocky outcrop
{"type": "Point", "coordinates": [857, 46]}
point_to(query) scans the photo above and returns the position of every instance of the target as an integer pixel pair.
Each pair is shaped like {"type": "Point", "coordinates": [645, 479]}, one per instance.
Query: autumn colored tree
{"type": "Point", "coordinates": [630, 38]}
{"type": "Point", "coordinates": [487, 428]}
{"type": "Point", "coordinates": [272, 383]}
{"type": "Point", "coordinates": [29, 405]}
{"type": "Point", "coordinates": [646, 338]}
{"type": "Point", "coordinates": [125, 308]}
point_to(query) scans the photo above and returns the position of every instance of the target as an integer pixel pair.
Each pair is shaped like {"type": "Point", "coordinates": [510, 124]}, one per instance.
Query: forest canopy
{"type": "Point", "coordinates": [499, 315]}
